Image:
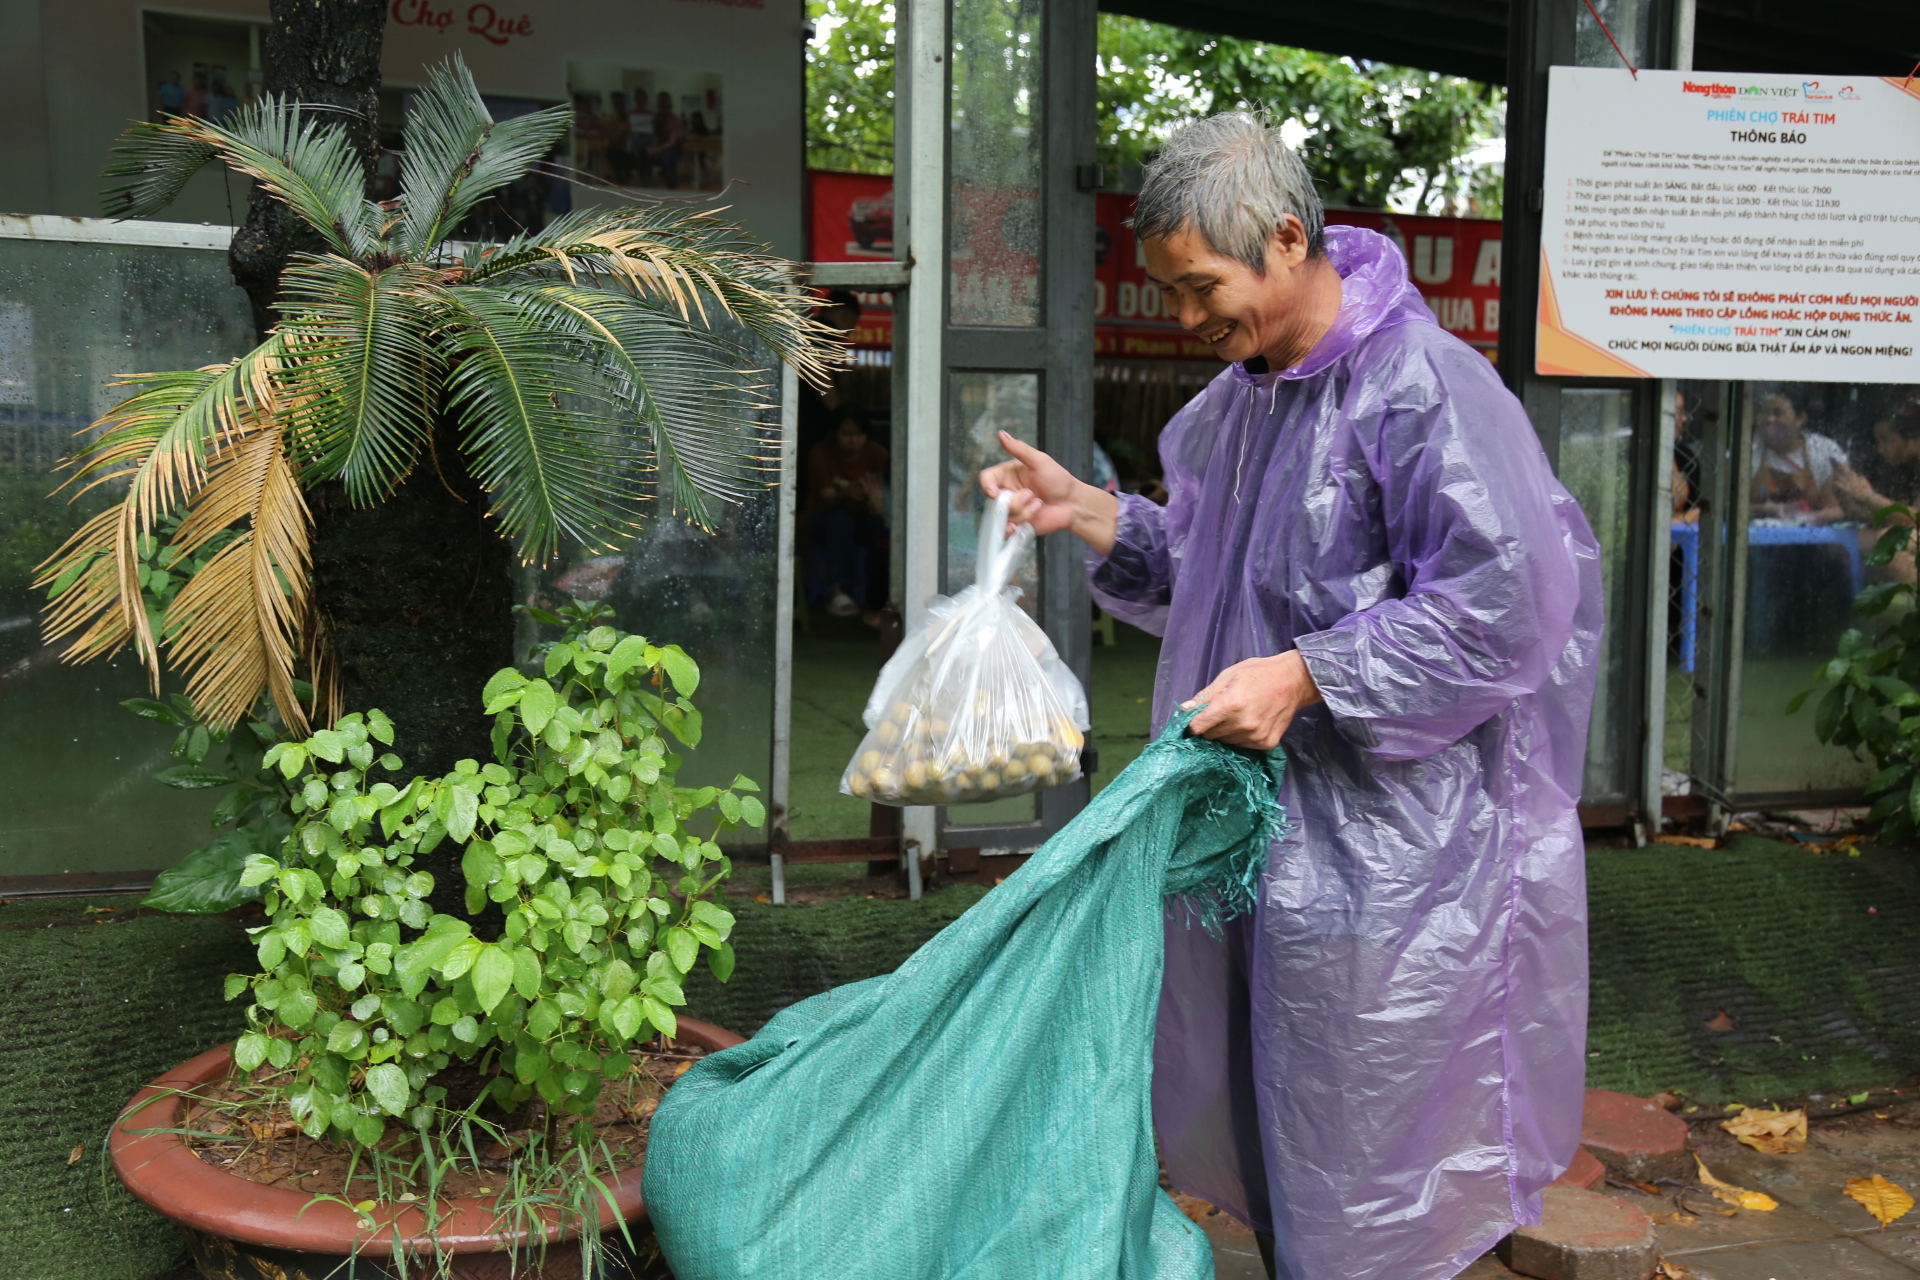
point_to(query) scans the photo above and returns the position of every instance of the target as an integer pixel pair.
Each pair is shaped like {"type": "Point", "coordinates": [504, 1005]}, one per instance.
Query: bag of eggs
{"type": "Point", "coordinates": [975, 704]}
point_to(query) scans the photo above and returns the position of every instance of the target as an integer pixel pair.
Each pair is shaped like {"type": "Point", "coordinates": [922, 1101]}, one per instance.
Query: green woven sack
{"type": "Point", "coordinates": [983, 1112]}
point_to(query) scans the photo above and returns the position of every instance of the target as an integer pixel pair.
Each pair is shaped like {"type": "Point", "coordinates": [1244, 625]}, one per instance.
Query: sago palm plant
{"type": "Point", "coordinates": [581, 371]}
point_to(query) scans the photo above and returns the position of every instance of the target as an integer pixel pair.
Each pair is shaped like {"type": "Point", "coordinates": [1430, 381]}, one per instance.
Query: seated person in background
{"type": "Point", "coordinates": [840, 310]}
{"type": "Point", "coordinates": [846, 496]}
{"type": "Point", "coordinates": [1891, 475]}
{"type": "Point", "coordinates": [1686, 461]}
{"type": "Point", "coordinates": [1793, 468]}
{"type": "Point", "coordinates": [1684, 509]}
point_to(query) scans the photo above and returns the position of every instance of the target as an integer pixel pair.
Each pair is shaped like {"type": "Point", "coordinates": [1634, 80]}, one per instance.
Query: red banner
{"type": "Point", "coordinates": [1455, 263]}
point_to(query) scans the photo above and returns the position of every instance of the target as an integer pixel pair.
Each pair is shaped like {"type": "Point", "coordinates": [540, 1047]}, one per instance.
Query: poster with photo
{"type": "Point", "coordinates": [650, 130]}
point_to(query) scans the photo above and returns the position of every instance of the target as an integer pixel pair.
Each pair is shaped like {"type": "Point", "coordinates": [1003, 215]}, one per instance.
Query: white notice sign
{"type": "Point", "coordinates": [1726, 225]}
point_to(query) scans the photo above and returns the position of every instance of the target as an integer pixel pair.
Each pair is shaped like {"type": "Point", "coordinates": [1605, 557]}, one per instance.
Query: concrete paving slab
{"type": "Point", "coordinates": [1835, 1258]}
{"type": "Point", "coordinates": [1901, 1241]}
{"type": "Point", "coordinates": [1585, 1172]}
{"type": "Point", "coordinates": [1487, 1268]}
{"type": "Point", "coordinates": [1235, 1254]}
{"type": "Point", "coordinates": [1709, 1230]}
{"type": "Point", "coordinates": [1814, 1181]}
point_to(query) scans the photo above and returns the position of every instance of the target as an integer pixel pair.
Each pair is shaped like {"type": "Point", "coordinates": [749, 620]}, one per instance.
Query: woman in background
{"type": "Point", "coordinates": [1793, 468]}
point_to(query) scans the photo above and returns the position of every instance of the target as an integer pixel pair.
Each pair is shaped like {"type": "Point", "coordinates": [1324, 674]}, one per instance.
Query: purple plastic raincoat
{"type": "Point", "coordinates": [1384, 1064]}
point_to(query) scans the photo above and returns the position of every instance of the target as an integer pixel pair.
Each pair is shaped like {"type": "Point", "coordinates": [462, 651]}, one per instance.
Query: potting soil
{"type": "Point", "coordinates": [984, 1110]}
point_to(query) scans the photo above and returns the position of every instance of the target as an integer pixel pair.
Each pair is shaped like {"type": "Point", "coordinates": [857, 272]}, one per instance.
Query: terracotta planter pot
{"type": "Point", "coordinates": [237, 1223]}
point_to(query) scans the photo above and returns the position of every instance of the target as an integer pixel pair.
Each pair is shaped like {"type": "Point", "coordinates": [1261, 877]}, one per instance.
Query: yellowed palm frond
{"type": "Point", "coordinates": [95, 601]}
{"type": "Point", "coordinates": [323, 667]}
{"type": "Point", "coordinates": [155, 442]}
{"type": "Point", "coordinates": [239, 623]}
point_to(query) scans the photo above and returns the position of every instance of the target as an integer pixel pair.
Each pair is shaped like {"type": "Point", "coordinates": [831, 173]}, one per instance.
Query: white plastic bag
{"type": "Point", "coordinates": [975, 705]}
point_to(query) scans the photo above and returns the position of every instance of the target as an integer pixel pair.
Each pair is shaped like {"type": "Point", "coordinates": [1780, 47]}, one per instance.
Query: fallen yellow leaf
{"type": "Point", "coordinates": [1738, 1197]}
{"type": "Point", "coordinates": [1674, 1219]}
{"type": "Point", "coordinates": [1672, 1271]}
{"type": "Point", "coordinates": [1884, 1200]}
{"type": "Point", "coordinates": [681, 1069]}
{"type": "Point", "coordinates": [80, 1149]}
{"type": "Point", "coordinates": [1780, 1133]}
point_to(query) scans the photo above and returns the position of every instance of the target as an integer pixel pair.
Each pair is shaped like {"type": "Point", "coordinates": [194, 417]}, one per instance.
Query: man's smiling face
{"type": "Point", "coordinates": [1239, 312]}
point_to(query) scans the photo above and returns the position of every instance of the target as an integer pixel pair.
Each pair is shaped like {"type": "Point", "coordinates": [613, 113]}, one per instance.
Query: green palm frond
{"type": "Point", "coordinates": [693, 391]}
{"type": "Point", "coordinates": [363, 373]}
{"type": "Point", "coordinates": [556, 464]}
{"type": "Point", "coordinates": [306, 163]}
{"type": "Point", "coordinates": [457, 155]}
{"type": "Point", "coordinates": [157, 159]}
{"type": "Point", "coordinates": [688, 258]}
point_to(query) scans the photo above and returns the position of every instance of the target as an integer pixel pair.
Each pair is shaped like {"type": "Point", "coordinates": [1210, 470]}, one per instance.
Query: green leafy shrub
{"type": "Point", "coordinates": [577, 832]}
{"type": "Point", "coordinates": [1873, 686]}
{"type": "Point", "coordinates": [257, 812]}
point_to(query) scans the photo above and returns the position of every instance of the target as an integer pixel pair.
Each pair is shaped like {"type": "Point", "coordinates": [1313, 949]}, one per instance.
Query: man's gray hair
{"type": "Point", "coordinates": [1232, 179]}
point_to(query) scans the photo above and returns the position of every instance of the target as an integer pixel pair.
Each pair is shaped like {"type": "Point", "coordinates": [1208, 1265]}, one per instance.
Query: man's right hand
{"type": "Point", "coordinates": [1044, 494]}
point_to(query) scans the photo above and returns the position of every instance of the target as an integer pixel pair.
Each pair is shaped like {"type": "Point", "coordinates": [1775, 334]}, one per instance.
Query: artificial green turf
{"type": "Point", "coordinates": [1120, 696]}
{"type": "Point", "coordinates": [1815, 957]}
{"type": "Point", "coordinates": [835, 662]}
{"type": "Point", "coordinates": [1824, 997]}
{"type": "Point", "coordinates": [89, 1012]}
{"type": "Point", "coordinates": [785, 954]}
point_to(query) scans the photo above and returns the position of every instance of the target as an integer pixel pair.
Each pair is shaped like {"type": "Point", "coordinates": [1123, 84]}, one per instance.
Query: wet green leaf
{"type": "Point", "coordinates": [388, 1085]}
{"type": "Point", "coordinates": [493, 971]}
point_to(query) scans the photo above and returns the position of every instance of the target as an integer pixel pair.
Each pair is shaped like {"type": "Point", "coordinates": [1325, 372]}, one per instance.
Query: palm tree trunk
{"type": "Point", "coordinates": [414, 593]}
{"type": "Point", "coordinates": [320, 51]}
{"type": "Point", "coordinates": [416, 598]}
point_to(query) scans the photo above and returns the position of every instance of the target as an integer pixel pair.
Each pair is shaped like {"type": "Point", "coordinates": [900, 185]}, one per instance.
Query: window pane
{"type": "Point", "coordinates": [76, 788]}
{"type": "Point", "coordinates": [1596, 439]}
{"type": "Point", "coordinates": [981, 406]}
{"type": "Point", "coordinates": [1628, 21]}
{"type": "Point", "coordinates": [1696, 419]}
{"type": "Point", "coordinates": [993, 216]}
{"type": "Point", "coordinates": [1817, 475]}
{"type": "Point", "coordinates": [714, 595]}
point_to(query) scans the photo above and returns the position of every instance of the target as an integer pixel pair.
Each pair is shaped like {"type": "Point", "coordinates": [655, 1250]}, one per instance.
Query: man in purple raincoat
{"type": "Point", "coordinates": [1366, 558]}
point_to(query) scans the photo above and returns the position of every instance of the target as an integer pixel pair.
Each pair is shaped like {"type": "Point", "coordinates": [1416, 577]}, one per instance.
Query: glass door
{"type": "Point", "coordinates": [1017, 333]}
{"type": "Point", "coordinates": [994, 181]}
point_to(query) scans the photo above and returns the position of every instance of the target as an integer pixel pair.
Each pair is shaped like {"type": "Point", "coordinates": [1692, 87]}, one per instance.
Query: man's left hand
{"type": "Point", "coordinates": [1251, 703]}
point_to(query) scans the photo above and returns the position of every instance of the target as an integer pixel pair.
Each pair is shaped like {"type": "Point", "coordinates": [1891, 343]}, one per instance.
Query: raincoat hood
{"type": "Point", "coordinates": [1375, 293]}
